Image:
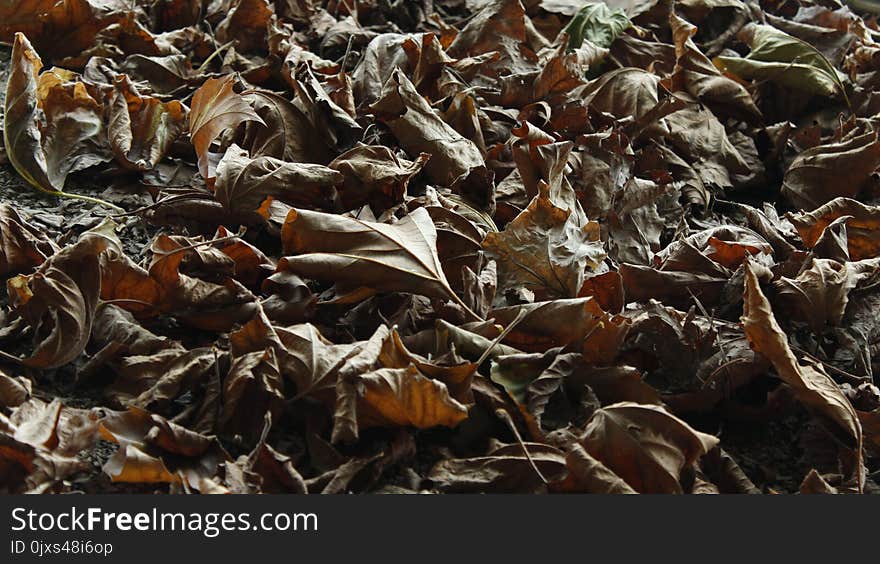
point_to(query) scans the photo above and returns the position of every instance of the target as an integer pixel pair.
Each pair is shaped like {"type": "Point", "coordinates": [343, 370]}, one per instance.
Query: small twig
{"type": "Point", "coordinates": [347, 51]}
{"type": "Point", "coordinates": [504, 416]}
{"type": "Point", "coordinates": [154, 205]}
{"type": "Point", "coordinates": [202, 244]}
{"type": "Point", "coordinates": [211, 57]}
{"type": "Point", "coordinates": [126, 300]}
{"type": "Point", "coordinates": [711, 319]}
{"type": "Point", "coordinates": [510, 326]}
{"type": "Point", "coordinates": [851, 378]}
{"type": "Point", "coordinates": [219, 407]}
{"type": "Point", "coordinates": [10, 358]}
{"type": "Point", "coordinates": [715, 46]}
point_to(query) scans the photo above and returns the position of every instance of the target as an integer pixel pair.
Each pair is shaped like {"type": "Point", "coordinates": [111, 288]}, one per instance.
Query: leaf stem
{"type": "Point", "coordinates": [85, 198]}
{"type": "Point", "coordinates": [503, 415]}
{"type": "Point", "coordinates": [464, 306]}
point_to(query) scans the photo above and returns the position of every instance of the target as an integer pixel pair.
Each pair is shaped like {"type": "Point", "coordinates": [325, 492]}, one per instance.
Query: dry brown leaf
{"type": "Point", "coordinates": [811, 385]}
{"type": "Point", "coordinates": [703, 80]}
{"type": "Point", "coordinates": [545, 249]}
{"type": "Point", "coordinates": [141, 129]}
{"type": "Point", "coordinates": [52, 125]}
{"type": "Point", "coordinates": [374, 175]}
{"type": "Point", "coordinates": [244, 183]}
{"type": "Point", "coordinates": [588, 475]}
{"type": "Point", "coordinates": [505, 468]}
{"type": "Point", "coordinates": [216, 107]}
{"type": "Point", "coordinates": [252, 389]}
{"type": "Point", "coordinates": [284, 133]}
{"type": "Point", "coordinates": [862, 226]}
{"type": "Point", "coordinates": [840, 168]}
{"type": "Point", "coordinates": [819, 294]}
{"type": "Point", "coordinates": [202, 303]}
{"type": "Point", "coordinates": [154, 450]}
{"type": "Point", "coordinates": [22, 246]}
{"type": "Point", "coordinates": [645, 445]}
{"type": "Point", "coordinates": [393, 258]}
{"type": "Point", "coordinates": [404, 397]}
{"type": "Point", "coordinates": [58, 301]}
{"type": "Point", "coordinates": [455, 161]}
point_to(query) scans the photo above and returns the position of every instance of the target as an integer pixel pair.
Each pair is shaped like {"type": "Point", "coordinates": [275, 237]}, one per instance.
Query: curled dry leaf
{"type": "Point", "coordinates": [52, 126]}
{"type": "Point", "coordinates": [811, 385]}
{"type": "Point", "coordinates": [374, 175]}
{"type": "Point", "coordinates": [588, 475]}
{"type": "Point", "coordinates": [61, 28]}
{"type": "Point", "coordinates": [39, 442]}
{"type": "Point", "coordinates": [243, 183]}
{"type": "Point", "coordinates": [284, 132]}
{"type": "Point", "coordinates": [402, 397]}
{"type": "Point", "coordinates": [331, 123]}
{"type": "Point", "coordinates": [506, 468]}
{"type": "Point", "coordinates": [216, 107]}
{"type": "Point", "coordinates": [837, 169]}
{"type": "Point", "coordinates": [819, 294]}
{"type": "Point", "coordinates": [252, 390]}
{"type": "Point", "coordinates": [393, 258]}
{"type": "Point", "coordinates": [862, 226]}
{"type": "Point", "coordinates": [58, 301]}
{"type": "Point", "coordinates": [153, 449]}
{"type": "Point", "coordinates": [587, 327]}
{"type": "Point", "coordinates": [545, 249]}
{"type": "Point", "coordinates": [13, 391]}
{"type": "Point", "coordinates": [197, 301]}
{"type": "Point", "coordinates": [141, 128]}
{"type": "Point", "coordinates": [23, 247]}
{"type": "Point", "coordinates": [455, 161]}
{"type": "Point", "coordinates": [703, 80]}
{"type": "Point", "coordinates": [626, 92]}
{"type": "Point", "coordinates": [645, 445]}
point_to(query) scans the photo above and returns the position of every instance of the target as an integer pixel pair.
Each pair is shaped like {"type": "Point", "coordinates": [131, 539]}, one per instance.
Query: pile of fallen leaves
{"type": "Point", "coordinates": [443, 246]}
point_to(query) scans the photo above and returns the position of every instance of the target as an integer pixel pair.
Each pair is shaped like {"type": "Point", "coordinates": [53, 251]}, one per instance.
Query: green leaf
{"type": "Point", "coordinates": [597, 23]}
{"type": "Point", "coordinates": [778, 57]}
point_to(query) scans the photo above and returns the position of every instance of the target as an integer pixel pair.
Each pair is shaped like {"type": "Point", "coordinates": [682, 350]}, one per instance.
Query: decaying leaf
{"type": "Point", "coordinates": [58, 301]}
{"type": "Point", "coordinates": [705, 82]}
{"type": "Point", "coordinates": [400, 257]}
{"type": "Point", "coordinates": [402, 396]}
{"type": "Point", "coordinates": [506, 468]}
{"type": "Point", "coordinates": [22, 246]}
{"type": "Point", "coordinates": [52, 125]}
{"type": "Point", "coordinates": [39, 442]}
{"type": "Point", "coordinates": [545, 249]}
{"type": "Point", "coordinates": [216, 107]}
{"type": "Point", "coordinates": [243, 183]}
{"type": "Point", "coordinates": [455, 161]}
{"type": "Point", "coordinates": [779, 57]}
{"type": "Point", "coordinates": [374, 175]}
{"type": "Point", "coordinates": [810, 383]}
{"type": "Point", "coordinates": [140, 128]}
{"type": "Point", "coordinates": [837, 169]}
{"type": "Point", "coordinates": [861, 224]}
{"type": "Point", "coordinates": [154, 450]}
{"type": "Point", "coordinates": [645, 445]}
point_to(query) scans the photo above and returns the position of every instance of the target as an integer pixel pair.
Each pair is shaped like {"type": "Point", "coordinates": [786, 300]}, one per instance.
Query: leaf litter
{"type": "Point", "coordinates": [533, 246]}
